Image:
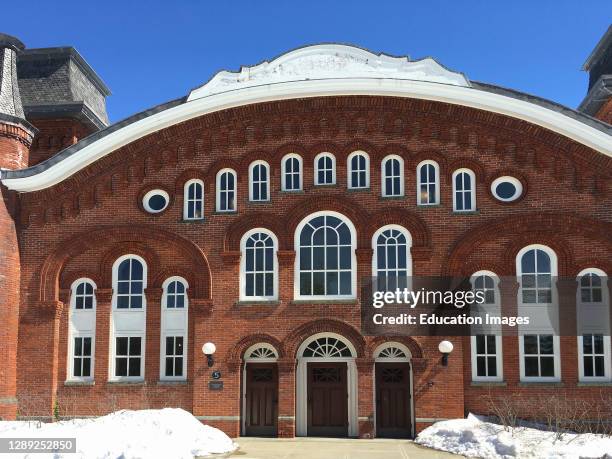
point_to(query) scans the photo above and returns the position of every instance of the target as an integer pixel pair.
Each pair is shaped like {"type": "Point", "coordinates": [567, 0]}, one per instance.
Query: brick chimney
{"type": "Point", "coordinates": [16, 136]}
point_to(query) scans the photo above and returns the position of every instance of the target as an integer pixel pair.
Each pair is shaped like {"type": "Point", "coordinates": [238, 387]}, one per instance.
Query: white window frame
{"type": "Point", "coordinates": [260, 183]}
{"type": "Point", "coordinates": [553, 273]}
{"type": "Point", "coordinates": [130, 322]}
{"type": "Point", "coordinates": [296, 279]}
{"type": "Point", "coordinates": [498, 360]}
{"type": "Point", "coordinates": [243, 241]}
{"type": "Point", "coordinates": [333, 168]}
{"type": "Point", "coordinates": [349, 168]}
{"type": "Point", "coordinates": [219, 191]}
{"type": "Point", "coordinates": [436, 184]}
{"type": "Point", "coordinates": [383, 176]}
{"type": "Point", "coordinates": [556, 359]}
{"type": "Point", "coordinates": [518, 185]}
{"type": "Point", "coordinates": [187, 202]}
{"type": "Point", "coordinates": [582, 308]}
{"type": "Point", "coordinates": [408, 237]}
{"type": "Point", "coordinates": [284, 172]}
{"type": "Point", "coordinates": [471, 190]}
{"type": "Point", "coordinates": [82, 324]}
{"type": "Point", "coordinates": [174, 322]}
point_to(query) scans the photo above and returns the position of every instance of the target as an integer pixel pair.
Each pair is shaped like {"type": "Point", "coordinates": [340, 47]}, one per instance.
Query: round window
{"type": "Point", "coordinates": [507, 189]}
{"type": "Point", "coordinates": [155, 201]}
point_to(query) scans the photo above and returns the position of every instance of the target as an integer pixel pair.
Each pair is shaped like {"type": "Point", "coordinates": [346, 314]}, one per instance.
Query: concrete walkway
{"type": "Point", "coordinates": [323, 448]}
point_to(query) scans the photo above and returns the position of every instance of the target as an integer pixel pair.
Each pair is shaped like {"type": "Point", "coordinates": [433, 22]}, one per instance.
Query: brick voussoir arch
{"type": "Point", "coordinates": [415, 348]}
{"type": "Point", "coordinates": [421, 236]}
{"type": "Point", "coordinates": [294, 339]}
{"type": "Point", "coordinates": [354, 212]}
{"type": "Point", "coordinates": [247, 222]}
{"type": "Point", "coordinates": [236, 352]}
{"type": "Point", "coordinates": [138, 237]}
{"type": "Point", "coordinates": [531, 228]}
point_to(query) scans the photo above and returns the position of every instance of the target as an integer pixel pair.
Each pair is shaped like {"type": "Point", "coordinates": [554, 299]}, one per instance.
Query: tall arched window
{"type": "Point", "coordinates": [82, 331]}
{"type": "Point", "coordinates": [392, 176]}
{"type": "Point", "coordinates": [536, 266]}
{"type": "Point", "coordinates": [325, 264]}
{"type": "Point", "coordinates": [358, 170]}
{"type": "Point", "coordinates": [428, 183]}
{"type": "Point", "coordinates": [226, 190]}
{"type": "Point", "coordinates": [259, 181]}
{"type": "Point", "coordinates": [593, 321]}
{"type": "Point", "coordinates": [391, 264]}
{"type": "Point", "coordinates": [325, 169]}
{"type": "Point", "coordinates": [128, 318]}
{"type": "Point", "coordinates": [464, 190]}
{"type": "Point", "coordinates": [174, 320]}
{"type": "Point", "coordinates": [193, 207]}
{"type": "Point", "coordinates": [292, 172]}
{"type": "Point", "coordinates": [259, 269]}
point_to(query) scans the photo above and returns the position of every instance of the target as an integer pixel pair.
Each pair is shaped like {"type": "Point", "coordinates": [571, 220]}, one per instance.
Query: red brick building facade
{"type": "Point", "coordinates": [196, 222]}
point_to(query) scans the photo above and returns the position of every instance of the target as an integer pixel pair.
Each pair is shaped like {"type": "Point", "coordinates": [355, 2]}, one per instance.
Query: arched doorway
{"type": "Point", "coordinates": [260, 391]}
{"type": "Point", "coordinates": [393, 391]}
{"type": "Point", "coordinates": [326, 380]}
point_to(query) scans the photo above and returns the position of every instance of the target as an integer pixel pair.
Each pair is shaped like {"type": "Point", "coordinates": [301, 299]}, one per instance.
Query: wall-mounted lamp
{"type": "Point", "coordinates": [445, 348]}
{"type": "Point", "coordinates": [209, 349]}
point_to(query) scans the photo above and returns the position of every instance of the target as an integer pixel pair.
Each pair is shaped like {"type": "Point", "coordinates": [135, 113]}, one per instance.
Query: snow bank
{"type": "Point", "coordinates": [169, 433]}
{"type": "Point", "coordinates": [473, 437]}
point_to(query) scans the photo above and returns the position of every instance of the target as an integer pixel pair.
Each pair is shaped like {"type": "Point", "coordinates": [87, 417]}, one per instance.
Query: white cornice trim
{"type": "Point", "coordinates": [387, 87]}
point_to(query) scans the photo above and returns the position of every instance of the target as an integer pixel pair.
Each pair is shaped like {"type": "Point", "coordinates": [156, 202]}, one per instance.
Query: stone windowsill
{"type": "Point", "coordinates": [257, 303]}
{"type": "Point", "coordinates": [594, 384]}
{"type": "Point", "coordinates": [172, 383]}
{"type": "Point", "coordinates": [488, 384]}
{"type": "Point", "coordinates": [79, 383]}
{"type": "Point", "coordinates": [541, 384]}
{"type": "Point", "coordinates": [339, 301]}
{"type": "Point", "coordinates": [127, 383]}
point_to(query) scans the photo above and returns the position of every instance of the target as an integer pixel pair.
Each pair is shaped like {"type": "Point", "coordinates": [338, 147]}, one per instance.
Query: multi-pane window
{"type": "Point", "coordinates": [485, 284]}
{"type": "Point", "coordinates": [84, 296]}
{"type": "Point", "coordinates": [259, 181]}
{"type": "Point", "coordinates": [174, 356]}
{"type": "Point", "coordinates": [539, 356]}
{"type": "Point", "coordinates": [464, 196]}
{"type": "Point", "coordinates": [593, 356]}
{"type": "Point", "coordinates": [536, 277]}
{"type": "Point", "coordinates": [325, 258]}
{"type": "Point", "coordinates": [130, 284]}
{"type": "Point", "coordinates": [590, 288]}
{"type": "Point", "coordinates": [259, 266]}
{"type": "Point", "coordinates": [175, 295]}
{"type": "Point", "coordinates": [391, 259]}
{"type": "Point", "coordinates": [194, 200]}
{"type": "Point", "coordinates": [486, 359]}
{"type": "Point", "coordinates": [81, 357]}
{"type": "Point", "coordinates": [226, 191]}
{"type": "Point", "coordinates": [428, 178]}
{"type": "Point", "coordinates": [325, 169]}
{"type": "Point", "coordinates": [128, 356]}
{"type": "Point", "coordinates": [292, 173]}
{"type": "Point", "coordinates": [358, 170]}
{"type": "Point", "coordinates": [393, 176]}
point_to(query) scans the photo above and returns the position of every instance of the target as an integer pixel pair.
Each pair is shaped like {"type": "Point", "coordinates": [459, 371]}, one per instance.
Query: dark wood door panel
{"type": "Point", "coordinates": [327, 399]}
{"type": "Point", "coordinates": [393, 414]}
{"type": "Point", "coordinates": [261, 399]}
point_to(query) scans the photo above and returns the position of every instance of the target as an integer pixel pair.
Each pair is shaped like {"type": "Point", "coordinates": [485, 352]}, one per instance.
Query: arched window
{"type": "Point", "coordinates": [428, 183]}
{"type": "Point", "coordinates": [82, 331]}
{"type": "Point", "coordinates": [325, 169]}
{"type": "Point", "coordinates": [327, 347]}
{"type": "Point", "coordinates": [174, 320]}
{"type": "Point", "coordinates": [226, 190]}
{"type": "Point", "coordinates": [193, 207]}
{"type": "Point", "coordinates": [486, 283]}
{"type": "Point", "coordinates": [292, 172]}
{"type": "Point", "coordinates": [261, 352]}
{"type": "Point", "coordinates": [464, 190]}
{"type": "Point", "coordinates": [259, 269]}
{"type": "Point", "coordinates": [392, 176]}
{"type": "Point", "coordinates": [259, 180]}
{"type": "Point", "coordinates": [392, 352]}
{"type": "Point", "coordinates": [391, 264]}
{"type": "Point", "coordinates": [325, 246]}
{"type": "Point", "coordinates": [358, 170]}
{"type": "Point", "coordinates": [128, 318]}
{"type": "Point", "coordinates": [593, 321]}
{"type": "Point", "coordinates": [130, 283]}
{"type": "Point", "coordinates": [536, 270]}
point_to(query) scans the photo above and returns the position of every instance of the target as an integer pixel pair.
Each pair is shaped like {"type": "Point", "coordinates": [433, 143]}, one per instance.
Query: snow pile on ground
{"type": "Point", "coordinates": [474, 437]}
{"type": "Point", "coordinates": [171, 433]}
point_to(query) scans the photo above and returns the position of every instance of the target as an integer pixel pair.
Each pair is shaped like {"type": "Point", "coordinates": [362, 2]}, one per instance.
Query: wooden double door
{"type": "Point", "coordinates": [393, 411]}
{"type": "Point", "coordinates": [327, 399]}
{"type": "Point", "coordinates": [261, 394]}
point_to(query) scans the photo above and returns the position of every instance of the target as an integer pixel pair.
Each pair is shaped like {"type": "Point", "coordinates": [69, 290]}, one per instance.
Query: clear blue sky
{"type": "Point", "coordinates": [154, 51]}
